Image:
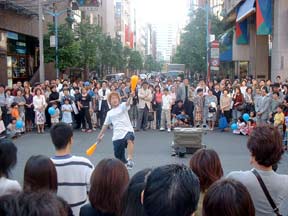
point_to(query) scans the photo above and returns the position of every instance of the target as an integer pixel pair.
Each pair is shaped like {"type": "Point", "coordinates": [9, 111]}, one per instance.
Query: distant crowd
{"type": "Point", "coordinates": [66, 184]}
{"type": "Point", "coordinates": [157, 104]}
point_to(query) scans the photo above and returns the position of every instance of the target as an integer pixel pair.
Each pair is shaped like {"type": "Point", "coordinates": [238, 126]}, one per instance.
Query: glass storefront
{"type": "Point", "coordinates": [22, 57]}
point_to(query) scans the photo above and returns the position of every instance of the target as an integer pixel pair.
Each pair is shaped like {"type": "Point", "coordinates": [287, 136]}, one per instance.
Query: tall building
{"type": "Point", "coordinates": [124, 22]}
{"type": "Point", "coordinates": [166, 34]}
{"type": "Point", "coordinates": [103, 16]}
{"type": "Point", "coordinates": [146, 40]}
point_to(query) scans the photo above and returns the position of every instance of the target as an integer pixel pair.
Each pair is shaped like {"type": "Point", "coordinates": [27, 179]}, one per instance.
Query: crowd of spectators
{"type": "Point", "coordinates": [66, 184]}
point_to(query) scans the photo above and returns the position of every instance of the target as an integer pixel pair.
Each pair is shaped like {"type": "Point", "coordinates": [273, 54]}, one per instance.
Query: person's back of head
{"type": "Point", "coordinates": [40, 174]}
{"type": "Point", "coordinates": [265, 146]}
{"type": "Point", "coordinates": [61, 135]}
{"type": "Point", "coordinates": [8, 157]}
{"type": "Point", "coordinates": [228, 198]}
{"type": "Point", "coordinates": [108, 183]}
{"type": "Point", "coordinates": [171, 190]}
{"type": "Point", "coordinates": [42, 203]}
{"type": "Point", "coordinates": [9, 205]}
{"type": "Point", "coordinates": [131, 202]}
{"type": "Point", "coordinates": [206, 164]}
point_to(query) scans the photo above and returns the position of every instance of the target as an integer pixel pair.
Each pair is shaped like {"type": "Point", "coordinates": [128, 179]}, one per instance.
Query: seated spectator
{"type": "Point", "coordinates": [265, 146]}
{"type": "Point", "coordinates": [12, 131]}
{"type": "Point", "coordinates": [228, 198]}
{"type": "Point", "coordinates": [242, 127]}
{"type": "Point", "coordinates": [179, 117]}
{"type": "Point", "coordinates": [40, 174]}
{"type": "Point", "coordinates": [171, 190]}
{"type": "Point", "coordinates": [8, 159]}
{"type": "Point", "coordinates": [73, 172]}
{"type": "Point", "coordinates": [206, 164]}
{"type": "Point", "coordinates": [108, 183]}
{"type": "Point", "coordinates": [132, 197]}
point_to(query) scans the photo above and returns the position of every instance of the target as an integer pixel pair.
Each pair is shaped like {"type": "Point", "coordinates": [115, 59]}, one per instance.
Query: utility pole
{"type": "Point", "coordinates": [41, 47]}
{"type": "Point", "coordinates": [207, 39]}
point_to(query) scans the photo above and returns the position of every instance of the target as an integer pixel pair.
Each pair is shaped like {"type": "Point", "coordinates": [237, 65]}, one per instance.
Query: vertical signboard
{"type": "Point", "coordinates": [214, 56]}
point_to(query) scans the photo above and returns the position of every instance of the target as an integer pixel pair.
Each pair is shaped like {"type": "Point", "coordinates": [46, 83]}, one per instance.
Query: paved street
{"type": "Point", "coordinates": [152, 149]}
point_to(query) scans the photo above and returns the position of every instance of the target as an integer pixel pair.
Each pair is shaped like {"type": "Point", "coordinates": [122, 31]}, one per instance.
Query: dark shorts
{"type": "Point", "coordinates": [121, 144]}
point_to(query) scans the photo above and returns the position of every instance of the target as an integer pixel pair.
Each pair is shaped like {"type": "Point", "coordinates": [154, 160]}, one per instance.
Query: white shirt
{"type": "Point", "coordinates": [8, 186]}
{"type": "Point", "coordinates": [120, 120]}
{"type": "Point", "coordinates": [39, 102]}
{"type": "Point", "coordinates": [166, 102]}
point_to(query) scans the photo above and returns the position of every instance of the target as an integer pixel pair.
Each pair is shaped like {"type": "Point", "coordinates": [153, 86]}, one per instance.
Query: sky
{"type": "Point", "coordinates": [161, 11]}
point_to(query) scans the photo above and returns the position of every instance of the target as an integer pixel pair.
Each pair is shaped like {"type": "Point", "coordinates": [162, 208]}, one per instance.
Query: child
{"type": "Point", "coordinates": [15, 111]}
{"type": "Point", "coordinates": [123, 132]}
{"type": "Point", "coordinates": [67, 110]}
{"type": "Point", "coordinates": [251, 122]}
{"type": "Point", "coordinates": [279, 119]}
{"type": "Point", "coordinates": [55, 117]}
{"type": "Point", "coordinates": [166, 111]}
{"type": "Point", "coordinates": [12, 132]}
{"type": "Point", "coordinates": [242, 127]}
{"type": "Point", "coordinates": [16, 115]}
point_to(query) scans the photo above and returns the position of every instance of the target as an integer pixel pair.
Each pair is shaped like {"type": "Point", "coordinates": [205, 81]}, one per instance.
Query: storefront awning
{"type": "Point", "coordinates": [245, 10]}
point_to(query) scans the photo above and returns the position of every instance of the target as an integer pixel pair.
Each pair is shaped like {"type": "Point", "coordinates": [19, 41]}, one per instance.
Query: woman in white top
{"type": "Point", "coordinates": [8, 158]}
{"type": "Point", "coordinates": [39, 104]}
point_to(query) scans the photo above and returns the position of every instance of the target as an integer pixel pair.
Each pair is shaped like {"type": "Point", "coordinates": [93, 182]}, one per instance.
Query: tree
{"type": "Point", "coordinates": [192, 49]}
{"type": "Point", "coordinates": [135, 61]}
{"type": "Point", "coordinates": [90, 37]}
{"type": "Point", "coordinates": [68, 51]}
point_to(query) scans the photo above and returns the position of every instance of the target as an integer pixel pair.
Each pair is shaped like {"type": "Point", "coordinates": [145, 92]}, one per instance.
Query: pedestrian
{"type": "Point", "coordinates": [145, 97]}
{"type": "Point", "coordinates": [103, 104]}
{"type": "Point", "coordinates": [20, 100]}
{"type": "Point", "coordinates": [264, 105]}
{"type": "Point", "coordinates": [106, 191]}
{"type": "Point", "coordinates": [238, 102]}
{"type": "Point", "coordinates": [67, 110]}
{"type": "Point", "coordinates": [39, 104]}
{"type": "Point", "coordinates": [85, 107]}
{"type": "Point", "coordinates": [73, 172]}
{"type": "Point", "coordinates": [8, 159]}
{"type": "Point", "coordinates": [132, 196]}
{"type": "Point", "coordinates": [157, 105]}
{"type": "Point", "coordinates": [199, 108]}
{"type": "Point", "coordinates": [166, 111]}
{"type": "Point", "coordinates": [40, 175]}
{"type": "Point", "coordinates": [225, 104]}
{"type": "Point", "coordinates": [55, 117]}
{"type": "Point", "coordinates": [210, 109]}
{"type": "Point", "coordinates": [123, 132]}
{"type": "Point", "coordinates": [171, 190]}
{"type": "Point", "coordinates": [206, 164]}
{"type": "Point", "coordinates": [29, 111]}
{"type": "Point", "coordinates": [232, 196]}
{"type": "Point", "coordinates": [265, 150]}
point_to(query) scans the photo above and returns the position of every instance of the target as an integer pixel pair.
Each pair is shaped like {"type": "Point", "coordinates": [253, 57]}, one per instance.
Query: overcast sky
{"type": "Point", "coordinates": [161, 11]}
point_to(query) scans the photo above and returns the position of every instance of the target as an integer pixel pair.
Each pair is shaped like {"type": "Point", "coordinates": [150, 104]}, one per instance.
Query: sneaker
{"type": "Point", "coordinates": [129, 164]}
{"type": "Point", "coordinates": [162, 129]}
{"type": "Point", "coordinates": [169, 130]}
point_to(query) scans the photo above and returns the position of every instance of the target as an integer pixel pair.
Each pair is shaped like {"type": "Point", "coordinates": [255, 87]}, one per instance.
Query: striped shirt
{"type": "Point", "coordinates": [73, 175]}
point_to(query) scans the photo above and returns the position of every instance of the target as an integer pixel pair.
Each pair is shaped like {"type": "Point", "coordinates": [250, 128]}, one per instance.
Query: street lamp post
{"type": "Point", "coordinates": [207, 10]}
{"type": "Point", "coordinates": [41, 51]}
{"type": "Point", "coordinates": [56, 15]}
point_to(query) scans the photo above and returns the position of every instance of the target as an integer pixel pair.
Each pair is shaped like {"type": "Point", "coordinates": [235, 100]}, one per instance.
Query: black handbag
{"type": "Point", "coordinates": [150, 116]}
{"type": "Point", "coordinates": [212, 109]}
{"type": "Point", "coordinates": [241, 107]}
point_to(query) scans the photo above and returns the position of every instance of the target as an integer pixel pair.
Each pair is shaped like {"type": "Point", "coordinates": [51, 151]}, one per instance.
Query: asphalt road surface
{"type": "Point", "coordinates": [152, 149]}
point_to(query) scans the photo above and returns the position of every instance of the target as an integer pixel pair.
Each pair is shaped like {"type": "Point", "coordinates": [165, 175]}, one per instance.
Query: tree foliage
{"type": "Point", "coordinates": [88, 48]}
{"type": "Point", "coordinates": [192, 49]}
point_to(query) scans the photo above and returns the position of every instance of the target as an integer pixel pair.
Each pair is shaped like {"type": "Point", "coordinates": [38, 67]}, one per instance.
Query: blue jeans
{"type": "Point", "coordinates": [121, 144]}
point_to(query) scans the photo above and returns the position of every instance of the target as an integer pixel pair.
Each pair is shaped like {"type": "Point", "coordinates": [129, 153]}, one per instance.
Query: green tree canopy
{"type": "Point", "coordinates": [192, 49]}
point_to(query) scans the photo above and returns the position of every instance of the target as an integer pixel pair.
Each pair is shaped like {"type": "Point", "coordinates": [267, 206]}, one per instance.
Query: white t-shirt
{"type": "Point", "coordinates": [8, 186]}
{"type": "Point", "coordinates": [120, 120]}
{"type": "Point", "coordinates": [166, 102]}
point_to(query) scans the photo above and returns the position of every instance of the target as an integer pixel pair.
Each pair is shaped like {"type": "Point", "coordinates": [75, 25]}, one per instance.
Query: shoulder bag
{"type": "Point", "coordinates": [266, 192]}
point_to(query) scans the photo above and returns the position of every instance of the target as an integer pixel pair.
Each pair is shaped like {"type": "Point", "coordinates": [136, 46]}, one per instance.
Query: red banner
{"type": "Point", "coordinates": [127, 34]}
{"type": "Point", "coordinates": [131, 40]}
